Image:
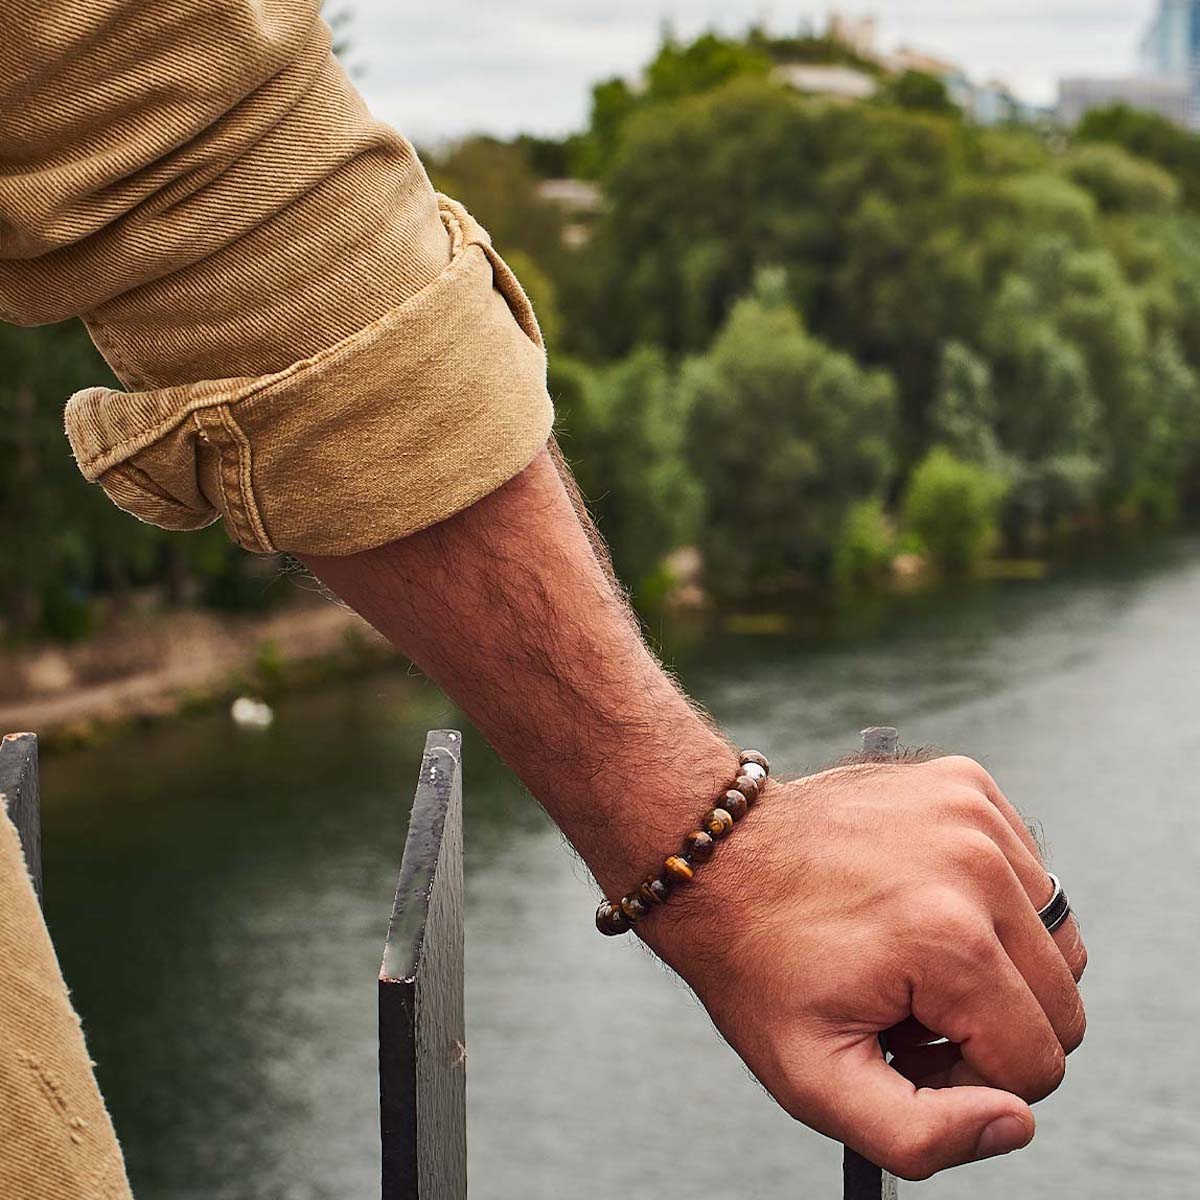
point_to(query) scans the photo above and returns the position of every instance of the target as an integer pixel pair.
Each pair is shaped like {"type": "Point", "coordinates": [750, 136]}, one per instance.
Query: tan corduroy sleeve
{"type": "Point", "coordinates": [314, 345]}
{"type": "Point", "coordinates": [56, 1140]}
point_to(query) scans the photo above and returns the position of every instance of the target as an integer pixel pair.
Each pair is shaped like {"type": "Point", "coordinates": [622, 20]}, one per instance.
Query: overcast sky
{"type": "Point", "coordinates": [506, 66]}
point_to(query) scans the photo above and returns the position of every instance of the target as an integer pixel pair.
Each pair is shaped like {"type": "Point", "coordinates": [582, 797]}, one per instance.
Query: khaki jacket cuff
{"type": "Point", "coordinates": [404, 423]}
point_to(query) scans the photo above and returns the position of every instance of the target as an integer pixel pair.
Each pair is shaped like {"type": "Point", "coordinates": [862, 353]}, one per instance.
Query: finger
{"type": "Point", "coordinates": [914, 1132]}
{"type": "Point", "coordinates": [1009, 831]}
{"type": "Point", "coordinates": [1069, 941]}
{"type": "Point", "coordinates": [1038, 888]}
{"type": "Point", "coordinates": [1067, 936]}
{"type": "Point", "coordinates": [1044, 968]}
{"type": "Point", "coordinates": [973, 994]}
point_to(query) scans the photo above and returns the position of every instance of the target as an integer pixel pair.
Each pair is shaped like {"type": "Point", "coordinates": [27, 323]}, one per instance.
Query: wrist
{"type": "Point", "coordinates": [653, 785]}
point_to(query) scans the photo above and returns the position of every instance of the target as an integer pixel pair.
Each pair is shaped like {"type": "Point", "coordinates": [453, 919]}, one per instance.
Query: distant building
{"type": "Point", "coordinates": [1169, 82]}
{"type": "Point", "coordinates": [1171, 43]}
{"type": "Point", "coordinates": [580, 200]}
{"type": "Point", "coordinates": [573, 195]}
{"type": "Point", "coordinates": [988, 104]}
{"type": "Point", "coordinates": [1168, 96]}
{"type": "Point", "coordinates": [841, 83]}
{"type": "Point", "coordinates": [857, 33]}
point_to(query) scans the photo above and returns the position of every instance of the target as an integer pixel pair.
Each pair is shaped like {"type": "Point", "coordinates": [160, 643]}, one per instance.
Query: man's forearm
{"type": "Point", "coordinates": [507, 607]}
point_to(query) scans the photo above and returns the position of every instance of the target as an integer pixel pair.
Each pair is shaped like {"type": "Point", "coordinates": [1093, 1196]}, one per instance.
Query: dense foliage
{"type": "Point", "coordinates": [795, 333]}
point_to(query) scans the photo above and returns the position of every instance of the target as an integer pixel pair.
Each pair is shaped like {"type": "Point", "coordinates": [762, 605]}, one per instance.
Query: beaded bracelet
{"type": "Point", "coordinates": [698, 846]}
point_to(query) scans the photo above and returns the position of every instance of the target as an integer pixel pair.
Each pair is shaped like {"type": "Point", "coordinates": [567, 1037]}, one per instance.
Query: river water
{"type": "Point", "coordinates": [219, 899]}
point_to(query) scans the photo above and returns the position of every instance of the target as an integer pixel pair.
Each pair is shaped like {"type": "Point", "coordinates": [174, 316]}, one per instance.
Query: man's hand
{"type": "Point", "coordinates": [841, 906]}
{"type": "Point", "coordinates": [886, 897]}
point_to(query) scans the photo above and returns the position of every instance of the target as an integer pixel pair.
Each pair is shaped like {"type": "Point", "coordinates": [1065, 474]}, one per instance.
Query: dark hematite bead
{"type": "Point", "coordinates": [678, 869]}
{"type": "Point", "coordinates": [747, 786]}
{"type": "Point", "coordinates": [655, 891]}
{"type": "Point", "coordinates": [610, 920]}
{"type": "Point", "coordinates": [717, 822]}
{"type": "Point", "coordinates": [735, 804]}
{"type": "Point", "coordinates": [698, 846]}
{"type": "Point", "coordinates": [753, 756]}
{"type": "Point", "coordinates": [634, 908]}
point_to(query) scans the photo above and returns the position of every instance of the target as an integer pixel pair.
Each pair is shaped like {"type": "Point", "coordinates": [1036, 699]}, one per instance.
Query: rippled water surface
{"type": "Point", "coordinates": [219, 900]}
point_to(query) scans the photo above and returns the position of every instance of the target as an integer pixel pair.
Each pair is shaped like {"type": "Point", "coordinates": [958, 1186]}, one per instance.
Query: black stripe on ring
{"type": "Point", "coordinates": [1059, 907]}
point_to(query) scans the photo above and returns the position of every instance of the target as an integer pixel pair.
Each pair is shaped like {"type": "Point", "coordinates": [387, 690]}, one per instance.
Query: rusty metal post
{"type": "Point", "coordinates": [20, 797]}
{"type": "Point", "coordinates": [863, 1180]}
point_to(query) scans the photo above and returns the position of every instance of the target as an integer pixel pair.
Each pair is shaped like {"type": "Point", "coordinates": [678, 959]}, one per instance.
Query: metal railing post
{"type": "Point", "coordinates": [861, 1179]}
{"type": "Point", "coordinates": [20, 797]}
{"type": "Point", "coordinates": [422, 1038]}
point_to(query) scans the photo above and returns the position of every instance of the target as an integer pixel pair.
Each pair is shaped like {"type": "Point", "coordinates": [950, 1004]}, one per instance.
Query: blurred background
{"type": "Point", "coordinates": [875, 344]}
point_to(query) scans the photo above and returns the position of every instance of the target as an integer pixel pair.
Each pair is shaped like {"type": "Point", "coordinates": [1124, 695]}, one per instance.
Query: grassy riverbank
{"type": "Point", "coordinates": [147, 667]}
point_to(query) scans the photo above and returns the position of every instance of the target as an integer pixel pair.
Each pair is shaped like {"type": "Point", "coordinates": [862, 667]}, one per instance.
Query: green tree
{"type": "Point", "coordinates": [785, 436]}
{"type": "Point", "coordinates": [690, 68]}
{"type": "Point", "coordinates": [964, 412]}
{"type": "Point", "coordinates": [622, 427]}
{"type": "Point", "coordinates": [1120, 182]}
{"type": "Point", "coordinates": [918, 90]}
{"type": "Point", "coordinates": [1150, 137]}
{"type": "Point", "coordinates": [495, 181]}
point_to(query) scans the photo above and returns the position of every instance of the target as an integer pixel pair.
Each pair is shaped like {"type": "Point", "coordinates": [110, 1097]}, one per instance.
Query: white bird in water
{"type": "Point", "coordinates": [251, 713]}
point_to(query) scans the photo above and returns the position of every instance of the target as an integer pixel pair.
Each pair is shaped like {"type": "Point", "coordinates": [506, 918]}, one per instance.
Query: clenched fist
{"type": "Point", "coordinates": [898, 899]}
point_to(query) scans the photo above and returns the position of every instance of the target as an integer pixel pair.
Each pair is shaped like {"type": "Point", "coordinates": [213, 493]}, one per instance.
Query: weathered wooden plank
{"type": "Point", "coordinates": [861, 1179]}
{"type": "Point", "coordinates": [19, 793]}
{"type": "Point", "coordinates": [422, 1051]}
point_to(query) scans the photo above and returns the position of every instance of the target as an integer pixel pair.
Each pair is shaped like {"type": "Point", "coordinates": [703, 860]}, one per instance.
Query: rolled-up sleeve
{"type": "Point", "coordinates": [312, 344]}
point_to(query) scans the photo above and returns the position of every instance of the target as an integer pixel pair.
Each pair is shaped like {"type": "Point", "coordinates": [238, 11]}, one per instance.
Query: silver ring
{"type": "Point", "coordinates": [1058, 908]}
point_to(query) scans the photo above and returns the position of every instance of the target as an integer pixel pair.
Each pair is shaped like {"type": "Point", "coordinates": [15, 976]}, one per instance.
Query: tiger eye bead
{"type": "Point", "coordinates": [753, 756]}
{"type": "Point", "coordinates": [698, 846]}
{"type": "Point", "coordinates": [634, 908]}
{"type": "Point", "coordinates": [735, 804]}
{"type": "Point", "coordinates": [747, 786]}
{"type": "Point", "coordinates": [654, 891]}
{"type": "Point", "coordinates": [755, 772]}
{"type": "Point", "coordinates": [610, 920]}
{"type": "Point", "coordinates": [717, 822]}
{"type": "Point", "coordinates": [678, 869]}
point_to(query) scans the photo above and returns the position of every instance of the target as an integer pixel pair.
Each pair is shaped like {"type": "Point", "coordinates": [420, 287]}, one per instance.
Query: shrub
{"type": "Point", "coordinates": [865, 546]}
{"type": "Point", "coordinates": [952, 507]}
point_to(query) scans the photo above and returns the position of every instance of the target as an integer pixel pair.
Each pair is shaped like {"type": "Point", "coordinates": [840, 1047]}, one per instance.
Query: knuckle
{"type": "Point", "coordinates": [1050, 1073]}
{"type": "Point", "coordinates": [1079, 962]}
{"type": "Point", "coordinates": [1074, 1030]}
{"type": "Point", "coordinates": [973, 809]}
{"type": "Point", "coordinates": [948, 917]}
{"type": "Point", "coordinates": [978, 856]}
{"type": "Point", "coordinates": [969, 771]}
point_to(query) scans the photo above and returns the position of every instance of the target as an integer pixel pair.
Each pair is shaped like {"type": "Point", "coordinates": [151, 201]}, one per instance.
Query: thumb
{"type": "Point", "coordinates": [912, 1131]}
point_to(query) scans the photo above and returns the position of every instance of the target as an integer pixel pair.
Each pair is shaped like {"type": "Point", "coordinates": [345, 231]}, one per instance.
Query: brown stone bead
{"type": "Point", "coordinates": [634, 908]}
{"type": "Point", "coordinates": [698, 846]}
{"type": "Point", "coordinates": [678, 869]}
{"type": "Point", "coordinates": [717, 822]}
{"type": "Point", "coordinates": [654, 891]}
{"type": "Point", "coordinates": [610, 920]}
{"type": "Point", "coordinates": [747, 786]}
{"type": "Point", "coordinates": [753, 756]}
{"type": "Point", "coordinates": [735, 804]}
